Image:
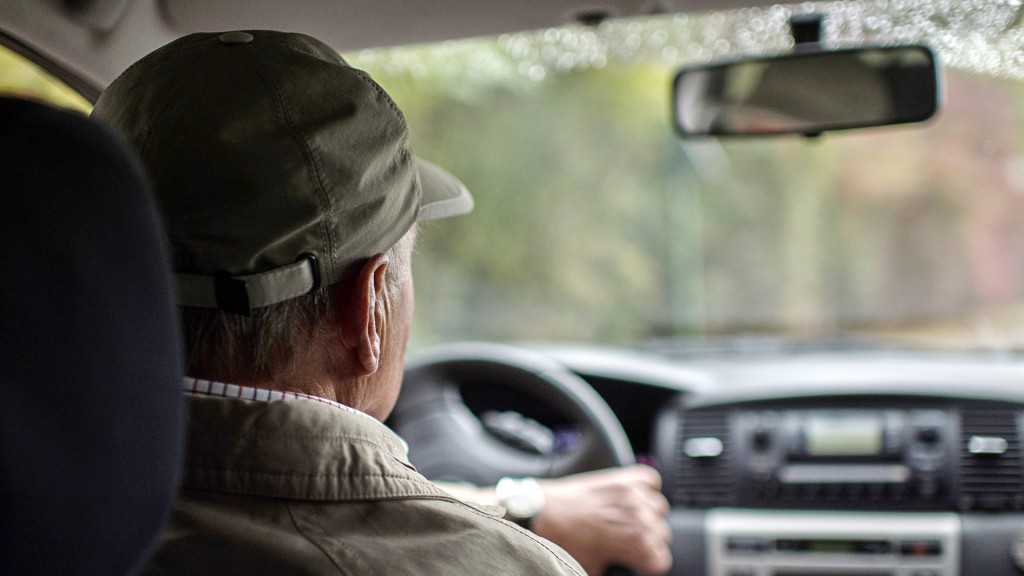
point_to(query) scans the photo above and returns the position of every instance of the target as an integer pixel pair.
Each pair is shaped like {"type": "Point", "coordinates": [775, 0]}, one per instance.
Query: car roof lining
{"type": "Point", "coordinates": [100, 38]}
{"type": "Point", "coordinates": [88, 90]}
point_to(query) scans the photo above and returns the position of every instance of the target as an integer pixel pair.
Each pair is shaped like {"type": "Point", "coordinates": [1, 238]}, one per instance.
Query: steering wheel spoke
{"type": "Point", "coordinates": [448, 441]}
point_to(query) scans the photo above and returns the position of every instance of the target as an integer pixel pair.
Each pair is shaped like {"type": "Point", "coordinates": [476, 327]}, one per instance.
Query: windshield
{"type": "Point", "coordinates": [594, 223]}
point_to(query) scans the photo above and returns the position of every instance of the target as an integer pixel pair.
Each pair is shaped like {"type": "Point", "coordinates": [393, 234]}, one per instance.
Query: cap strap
{"type": "Point", "coordinates": [240, 294]}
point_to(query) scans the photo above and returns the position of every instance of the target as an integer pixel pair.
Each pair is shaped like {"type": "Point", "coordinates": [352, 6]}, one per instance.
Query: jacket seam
{"type": "Point", "coordinates": [508, 526]}
{"type": "Point", "coordinates": [297, 475]}
{"type": "Point", "coordinates": [323, 549]}
{"type": "Point", "coordinates": [325, 438]}
{"type": "Point", "coordinates": [262, 436]}
{"type": "Point", "coordinates": [543, 543]}
{"type": "Point", "coordinates": [421, 490]}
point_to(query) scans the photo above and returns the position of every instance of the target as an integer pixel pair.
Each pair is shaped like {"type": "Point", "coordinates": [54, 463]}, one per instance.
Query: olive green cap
{"type": "Point", "coordinates": [276, 164]}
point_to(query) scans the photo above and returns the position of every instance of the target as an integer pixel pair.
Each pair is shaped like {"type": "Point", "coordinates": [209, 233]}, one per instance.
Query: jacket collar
{"type": "Point", "coordinates": [297, 449]}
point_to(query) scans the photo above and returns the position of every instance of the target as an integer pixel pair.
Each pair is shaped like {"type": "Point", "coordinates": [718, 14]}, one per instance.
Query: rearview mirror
{"type": "Point", "coordinates": [807, 92]}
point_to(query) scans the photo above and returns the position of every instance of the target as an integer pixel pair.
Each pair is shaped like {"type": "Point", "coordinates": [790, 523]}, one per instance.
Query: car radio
{"type": "Point", "coordinates": [849, 458]}
{"type": "Point", "coordinates": [782, 543]}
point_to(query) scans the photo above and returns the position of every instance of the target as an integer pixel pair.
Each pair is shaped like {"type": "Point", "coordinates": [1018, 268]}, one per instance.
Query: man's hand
{"type": "Point", "coordinates": [613, 517]}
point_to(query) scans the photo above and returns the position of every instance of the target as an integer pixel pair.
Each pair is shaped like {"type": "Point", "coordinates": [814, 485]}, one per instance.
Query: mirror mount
{"type": "Point", "coordinates": [806, 31]}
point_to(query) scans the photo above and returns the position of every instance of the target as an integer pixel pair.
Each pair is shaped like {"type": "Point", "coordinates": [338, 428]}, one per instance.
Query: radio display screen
{"type": "Point", "coordinates": [834, 546]}
{"type": "Point", "coordinates": [833, 573]}
{"type": "Point", "coordinates": [838, 434]}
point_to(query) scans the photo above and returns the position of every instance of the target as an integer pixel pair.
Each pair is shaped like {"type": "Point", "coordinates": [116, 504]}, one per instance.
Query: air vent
{"type": "Point", "coordinates": [705, 474]}
{"type": "Point", "coordinates": [990, 461]}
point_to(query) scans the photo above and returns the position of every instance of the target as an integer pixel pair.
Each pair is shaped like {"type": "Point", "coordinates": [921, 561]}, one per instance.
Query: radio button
{"type": "Point", "coordinates": [703, 447]}
{"type": "Point", "coordinates": [920, 548]}
{"type": "Point", "coordinates": [873, 547]}
{"type": "Point", "coordinates": [747, 545]}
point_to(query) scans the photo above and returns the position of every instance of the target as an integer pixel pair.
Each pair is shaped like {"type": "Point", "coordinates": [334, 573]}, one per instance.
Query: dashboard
{"type": "Point", "coordinates": [822, 465]}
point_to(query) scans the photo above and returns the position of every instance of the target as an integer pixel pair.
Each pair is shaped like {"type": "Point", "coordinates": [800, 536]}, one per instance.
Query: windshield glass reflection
{"type": "Point", "coordinates": [594, 223]}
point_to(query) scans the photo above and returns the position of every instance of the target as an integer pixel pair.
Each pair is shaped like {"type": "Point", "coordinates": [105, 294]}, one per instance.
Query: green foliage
{"type": "Point", "coordinates": [552, 188]}
{"type": "Point", "coordinates": [593, 223]}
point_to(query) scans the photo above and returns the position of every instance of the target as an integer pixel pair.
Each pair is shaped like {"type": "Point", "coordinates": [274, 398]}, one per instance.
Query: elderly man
{"type": "Point", "coordinates": [291, 197]}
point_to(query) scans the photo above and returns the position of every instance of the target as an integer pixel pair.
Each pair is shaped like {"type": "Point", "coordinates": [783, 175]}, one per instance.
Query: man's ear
{"type": "Point", "coordinates": [363, 323]}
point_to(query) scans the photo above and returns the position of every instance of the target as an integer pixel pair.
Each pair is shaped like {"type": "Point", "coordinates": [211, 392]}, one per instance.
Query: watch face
{"type": "Point", "coordinates": [522, 498]}
{"type": "Point", "coordinates": [521, 506]}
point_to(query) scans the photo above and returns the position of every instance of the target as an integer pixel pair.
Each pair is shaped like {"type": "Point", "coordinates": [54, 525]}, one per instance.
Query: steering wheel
{"type": "Point", "coordinates": [447, 441]}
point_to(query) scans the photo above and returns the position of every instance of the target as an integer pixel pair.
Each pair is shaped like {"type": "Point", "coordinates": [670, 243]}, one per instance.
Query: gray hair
{"type": "Point", "coordinates": [237, 348]}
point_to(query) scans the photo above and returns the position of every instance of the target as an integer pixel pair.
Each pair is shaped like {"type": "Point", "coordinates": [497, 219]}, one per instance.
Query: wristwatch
{"type": "Point", "coordinates": [522, 498]}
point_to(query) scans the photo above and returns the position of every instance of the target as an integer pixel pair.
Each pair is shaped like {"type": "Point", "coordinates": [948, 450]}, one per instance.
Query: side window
{"type": "Point", "coordinates": [23, 78]}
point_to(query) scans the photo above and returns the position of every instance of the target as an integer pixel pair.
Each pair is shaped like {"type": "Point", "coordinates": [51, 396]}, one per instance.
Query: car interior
{"type": "Point", "coordinates": [775, 251]}
{"type": "Point", "coordinates": [91, 458]}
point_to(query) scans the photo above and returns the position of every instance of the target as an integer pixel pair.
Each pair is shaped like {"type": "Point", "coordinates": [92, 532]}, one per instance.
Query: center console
{"type": "Point", "coordinates": [849, 458]}
{"type": "Point", "coordinates": [839, 486]}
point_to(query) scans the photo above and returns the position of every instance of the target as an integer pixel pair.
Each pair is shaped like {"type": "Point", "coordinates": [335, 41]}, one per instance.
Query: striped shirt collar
{"type": "Point", "coordinates": [222, 390]}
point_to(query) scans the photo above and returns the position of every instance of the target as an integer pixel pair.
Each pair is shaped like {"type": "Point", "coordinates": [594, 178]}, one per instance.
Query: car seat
{"type": "Point", "coordinates": [91, 415]}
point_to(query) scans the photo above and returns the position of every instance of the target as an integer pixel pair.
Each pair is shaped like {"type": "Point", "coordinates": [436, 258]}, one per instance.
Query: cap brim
{"type": "Point", "coordinates": [443, 194]}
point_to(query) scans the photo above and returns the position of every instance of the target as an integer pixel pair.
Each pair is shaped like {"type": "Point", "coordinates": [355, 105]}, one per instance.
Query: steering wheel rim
{"type": "Point", "coordinates": [448, 442]}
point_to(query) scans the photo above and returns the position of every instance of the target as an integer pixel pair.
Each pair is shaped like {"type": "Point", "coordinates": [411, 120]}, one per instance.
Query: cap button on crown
{"type": "Point", "coordinates": [236, 38]}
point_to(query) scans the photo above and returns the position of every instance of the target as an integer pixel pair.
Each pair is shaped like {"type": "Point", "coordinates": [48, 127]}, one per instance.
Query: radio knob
{"type": "Point", "coordinates": [762, 440]}
{"type": "Point", "coordinates": [928, 435]}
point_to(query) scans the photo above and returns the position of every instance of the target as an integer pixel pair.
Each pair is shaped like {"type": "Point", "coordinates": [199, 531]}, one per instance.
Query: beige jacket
{"type": "Point", "coordinates": [298, 487]}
